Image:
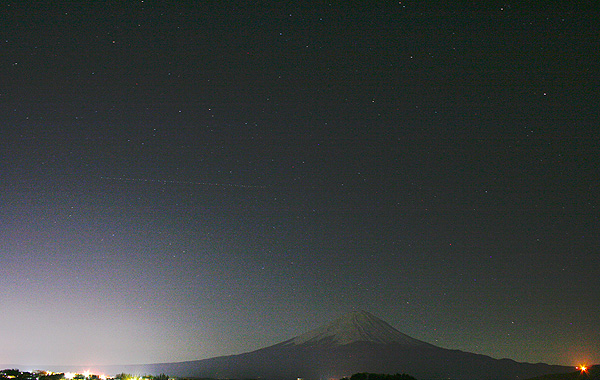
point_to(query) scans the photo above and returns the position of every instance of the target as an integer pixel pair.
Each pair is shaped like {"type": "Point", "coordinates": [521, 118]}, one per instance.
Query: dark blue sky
{"type": "Point", "coordinates": [185, 181]}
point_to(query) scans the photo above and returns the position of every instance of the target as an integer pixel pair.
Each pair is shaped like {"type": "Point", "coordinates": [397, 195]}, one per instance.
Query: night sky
{"type": "Point", "coordinates": [193, 179]}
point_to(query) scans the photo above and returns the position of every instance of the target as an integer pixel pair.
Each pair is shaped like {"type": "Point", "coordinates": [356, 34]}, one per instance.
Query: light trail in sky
{"type": "Point", "coordinates": [168, 182]}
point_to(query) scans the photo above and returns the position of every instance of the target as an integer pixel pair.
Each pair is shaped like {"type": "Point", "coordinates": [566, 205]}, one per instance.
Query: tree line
{"type": "Point", "coordinates": [379, 376]}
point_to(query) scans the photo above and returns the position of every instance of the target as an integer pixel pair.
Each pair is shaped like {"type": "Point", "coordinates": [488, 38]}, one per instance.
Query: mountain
{"type": "Point", "coordinates": [356, 342]}
{"type": "Point", "coordinates": [359, 326]}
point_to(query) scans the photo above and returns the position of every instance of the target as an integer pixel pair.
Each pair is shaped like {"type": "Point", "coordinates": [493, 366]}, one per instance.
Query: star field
{"type": "Point", "coordinates": [181, 181]}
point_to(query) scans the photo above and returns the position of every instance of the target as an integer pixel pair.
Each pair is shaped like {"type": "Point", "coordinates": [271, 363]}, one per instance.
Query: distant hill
{"type": "Point", "coordinates": [592, 373]}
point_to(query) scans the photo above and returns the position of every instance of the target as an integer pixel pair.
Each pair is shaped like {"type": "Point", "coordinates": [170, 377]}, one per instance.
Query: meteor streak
{"type": "Point", "coordinates": [166, 182]}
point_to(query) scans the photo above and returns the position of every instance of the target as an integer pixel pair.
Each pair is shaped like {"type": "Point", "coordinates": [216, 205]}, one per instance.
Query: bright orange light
{"type": "Point", "coordinates": [582, 368]}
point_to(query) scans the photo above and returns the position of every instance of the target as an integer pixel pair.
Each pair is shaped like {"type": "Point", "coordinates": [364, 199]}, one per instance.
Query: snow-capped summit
{"type": "Point", "coordinates": [359, 326]}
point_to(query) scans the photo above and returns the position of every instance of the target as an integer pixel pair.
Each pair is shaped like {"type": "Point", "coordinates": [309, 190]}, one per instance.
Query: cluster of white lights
{"type": "Point", "coordinates": [86, 375]}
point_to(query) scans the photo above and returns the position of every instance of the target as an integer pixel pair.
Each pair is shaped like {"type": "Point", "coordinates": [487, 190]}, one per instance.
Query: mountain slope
{"type": "Point", "coordinates": [357, 342]}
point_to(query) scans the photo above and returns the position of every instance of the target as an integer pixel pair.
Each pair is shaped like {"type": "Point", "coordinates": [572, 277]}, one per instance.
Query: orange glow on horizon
{"type": "Point", "coordinates": [582, 368]}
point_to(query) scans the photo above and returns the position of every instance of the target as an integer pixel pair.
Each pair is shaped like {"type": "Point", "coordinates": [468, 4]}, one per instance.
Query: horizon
{"type": "Point", "coordinates": [325, 327]}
